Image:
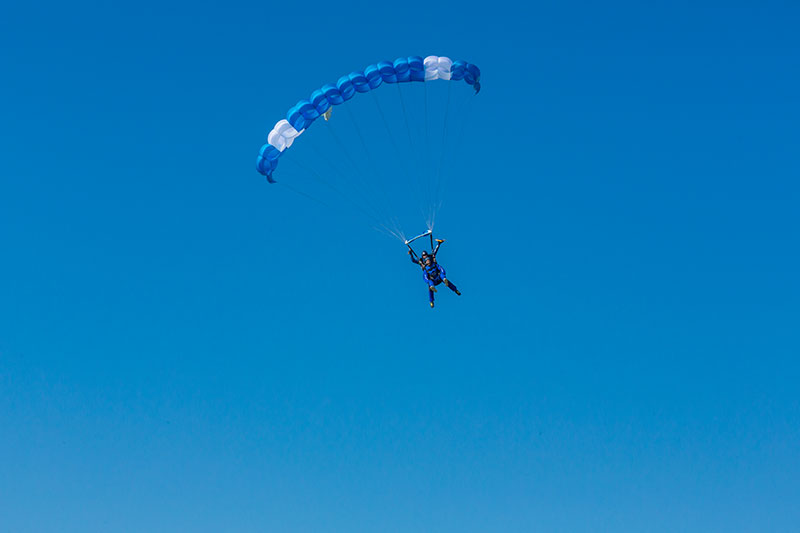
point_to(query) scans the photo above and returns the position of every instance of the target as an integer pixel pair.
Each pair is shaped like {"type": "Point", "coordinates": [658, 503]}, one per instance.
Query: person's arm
{"type": "Point", "coordinates": [438, 244]}
{"type": "Point", "coordinates": [413, 257]}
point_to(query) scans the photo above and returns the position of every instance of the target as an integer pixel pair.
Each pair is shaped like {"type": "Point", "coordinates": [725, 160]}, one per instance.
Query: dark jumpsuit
{"type": "Point", "coordinates": [434, 275]}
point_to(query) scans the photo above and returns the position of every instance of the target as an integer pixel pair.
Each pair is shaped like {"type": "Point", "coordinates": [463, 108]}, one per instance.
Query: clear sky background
{"type": "Point", "coordinates": [186, 348]}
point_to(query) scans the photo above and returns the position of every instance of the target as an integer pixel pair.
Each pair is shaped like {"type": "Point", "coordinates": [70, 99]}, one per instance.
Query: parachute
{"type": "Point", "coordinates": [403, 70]}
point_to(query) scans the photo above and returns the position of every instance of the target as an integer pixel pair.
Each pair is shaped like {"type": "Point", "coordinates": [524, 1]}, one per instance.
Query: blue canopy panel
{"type": "Point", "coordinates": [401, 70]}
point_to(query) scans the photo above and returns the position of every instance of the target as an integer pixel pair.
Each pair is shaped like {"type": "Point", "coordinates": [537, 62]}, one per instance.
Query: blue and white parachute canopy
{"type": "Point", "coordinates": [402, 69]}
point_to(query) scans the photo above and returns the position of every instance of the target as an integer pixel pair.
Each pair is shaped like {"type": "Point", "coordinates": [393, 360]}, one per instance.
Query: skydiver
{"type": "Point", "coordinates": [432, 272]}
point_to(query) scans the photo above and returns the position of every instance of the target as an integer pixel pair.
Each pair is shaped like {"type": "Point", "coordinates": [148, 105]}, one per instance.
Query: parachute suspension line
{"type": "Point", "coordinates": [355, 184]}
{"type": "Point", "coordinates": [315, 175]}
{"type": "Point", "coordinates": [418, 177]}
{"type": "Point", "coordinates": [427, 164]}
{"type": "Point", "coordinates": [466, 109]}
{"type": "Point", "coordinates": [343, 147]}
{"type": "Point", "coordinates": [345, 151]}
{"type": "Point", "coordinates": [437, 203]}
{"type": "Point", "coordinates": [389, 131]}
{"type": "Point", "coordinates": [301, 193]}
{"type": "Point", "coordinates": [405, 115]}
{"type": "Point", "coordinates": [382, 188]}
{"type": "Point", "coordinates": [463, 112]}
{"type": "Point", "coordinates": [356, 167]}
{"type": "Point", "coordinates": [397, 234]}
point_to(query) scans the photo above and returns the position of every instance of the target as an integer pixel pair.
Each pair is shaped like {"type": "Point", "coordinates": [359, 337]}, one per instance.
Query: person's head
{"type": "Point", "coordinates": [426, 258]}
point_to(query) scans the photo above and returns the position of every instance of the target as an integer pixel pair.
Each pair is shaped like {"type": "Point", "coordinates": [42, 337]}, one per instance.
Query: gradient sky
{"type": "Point", "coordinates": [186, 348]}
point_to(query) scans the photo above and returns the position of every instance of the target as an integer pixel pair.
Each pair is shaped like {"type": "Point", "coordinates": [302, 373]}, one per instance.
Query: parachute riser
{"type": "Point", "coordinates": [428, 233]}
{"type": "Point", "coordinates": [412, 239]}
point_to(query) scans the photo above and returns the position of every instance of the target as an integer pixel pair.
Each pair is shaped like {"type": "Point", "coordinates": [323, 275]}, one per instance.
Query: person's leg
{"type": "Point", "coordinates": [452, 286]}
{"type": "Point", "coordinates": [430, 295]}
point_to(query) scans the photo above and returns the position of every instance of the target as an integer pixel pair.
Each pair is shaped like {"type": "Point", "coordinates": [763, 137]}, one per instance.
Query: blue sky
{"type": "Point", "coordinates": [183, 347]}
